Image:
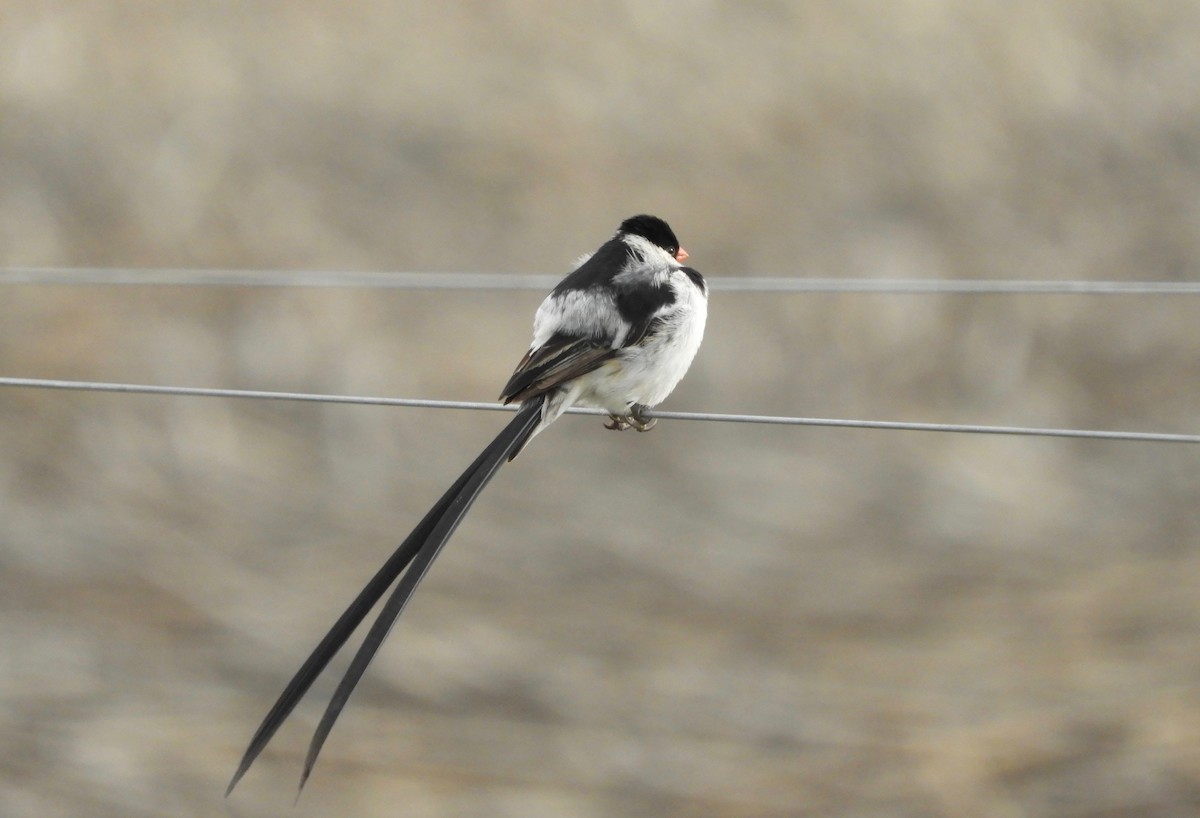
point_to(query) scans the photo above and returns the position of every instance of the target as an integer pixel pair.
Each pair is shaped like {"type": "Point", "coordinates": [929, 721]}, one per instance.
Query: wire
{"type": "Point", "coordinates": [90, 386]}
{"type": "Point", "coordinates": [107, 276]}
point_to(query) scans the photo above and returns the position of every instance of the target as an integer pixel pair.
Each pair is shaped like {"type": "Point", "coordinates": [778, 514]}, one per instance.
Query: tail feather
{"type": "Point", "coordinates": [416, 553]}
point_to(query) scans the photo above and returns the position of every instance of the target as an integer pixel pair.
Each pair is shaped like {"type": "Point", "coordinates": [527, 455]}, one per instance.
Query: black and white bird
{"type": "Point", "coordinates": [617, 334]}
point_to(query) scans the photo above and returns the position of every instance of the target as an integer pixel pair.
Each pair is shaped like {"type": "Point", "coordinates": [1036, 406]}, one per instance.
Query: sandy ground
{"type": "Point", "coordinates": [709, 620]}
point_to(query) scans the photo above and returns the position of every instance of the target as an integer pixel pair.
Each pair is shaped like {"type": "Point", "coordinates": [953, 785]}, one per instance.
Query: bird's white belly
{"type": "Point", "coordinates": [648, 373]}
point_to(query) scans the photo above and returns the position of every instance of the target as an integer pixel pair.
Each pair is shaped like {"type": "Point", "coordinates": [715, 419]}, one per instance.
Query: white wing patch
{"type": "Point", "coordinates": [586, 313]}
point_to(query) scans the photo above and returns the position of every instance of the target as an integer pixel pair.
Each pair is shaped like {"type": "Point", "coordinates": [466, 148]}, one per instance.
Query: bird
{"type": "Point", "coordinates": [617, 334]}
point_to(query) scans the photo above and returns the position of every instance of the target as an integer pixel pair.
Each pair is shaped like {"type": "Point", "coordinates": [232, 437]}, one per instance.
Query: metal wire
{"type": "Point", "coordinates": [108, 276]}
{"type": "Point", "coordinates": [91, 386]}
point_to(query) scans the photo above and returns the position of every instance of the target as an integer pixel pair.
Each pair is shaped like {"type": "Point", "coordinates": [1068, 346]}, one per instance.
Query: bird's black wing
{"type": "Point", "coordinates": [559, 360]}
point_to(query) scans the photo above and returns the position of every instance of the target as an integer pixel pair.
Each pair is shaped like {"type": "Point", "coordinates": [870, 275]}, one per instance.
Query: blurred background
{"type": "Point", "coordinates": [710, 620]}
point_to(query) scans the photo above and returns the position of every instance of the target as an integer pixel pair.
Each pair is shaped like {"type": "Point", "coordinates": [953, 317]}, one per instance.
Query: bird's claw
{"type": "Point", "coordinates": [634, 419]}
{"type": "Point", "coordinates": [617, 423]}
{"type": "Point", "coordinates": [643, 424]}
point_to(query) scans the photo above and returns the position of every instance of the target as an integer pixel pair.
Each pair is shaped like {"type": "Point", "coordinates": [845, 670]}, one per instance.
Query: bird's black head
{"type": "Point", "coordinates": [654, 230]}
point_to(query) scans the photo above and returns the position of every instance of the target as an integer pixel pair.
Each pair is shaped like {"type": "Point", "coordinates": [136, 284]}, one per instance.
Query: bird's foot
{"type": "Point", "coordinates": [639, 421]}
{"type": "Point", "coordinates": [635, 419]}
{"type": "Point", "coordinates": [618, 423]}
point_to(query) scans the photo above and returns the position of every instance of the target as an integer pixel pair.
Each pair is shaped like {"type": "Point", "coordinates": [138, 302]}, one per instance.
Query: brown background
{"type": "Point", "coordinates": [710, 620]}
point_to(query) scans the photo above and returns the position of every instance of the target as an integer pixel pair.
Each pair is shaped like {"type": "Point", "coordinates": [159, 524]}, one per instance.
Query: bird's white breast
{"type": "Point", "coordinates": [647, 373]}
{"type": "Point", "coordinates": [656, 368]}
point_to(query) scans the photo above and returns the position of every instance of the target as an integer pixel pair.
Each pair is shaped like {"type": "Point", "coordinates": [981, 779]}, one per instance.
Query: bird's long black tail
{"type": "Point", "coordinates": [416, 553]}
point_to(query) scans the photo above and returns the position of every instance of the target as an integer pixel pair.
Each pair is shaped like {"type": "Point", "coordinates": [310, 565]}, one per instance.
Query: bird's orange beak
{"type": "Point", "coordinates": [681, 255]}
